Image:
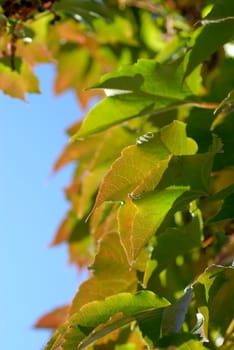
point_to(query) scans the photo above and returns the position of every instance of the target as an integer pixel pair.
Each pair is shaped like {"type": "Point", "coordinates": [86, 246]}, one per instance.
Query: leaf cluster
{"type": "Point", "coordinates": [152, 196]}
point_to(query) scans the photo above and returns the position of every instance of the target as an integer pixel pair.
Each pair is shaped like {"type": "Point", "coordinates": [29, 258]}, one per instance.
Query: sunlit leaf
{"type": "Point", "coordinates": [89, 186]}
{"type": "Point", "coordinates": [78, 151]}
{"type": "Point", "coordinates": [181, 341]}
{"type": "Point", "coordinates": [128, 171]}
{"type": "Point", "coordinates": [147, 77]}
{"type": "Point", "coordinates": [80, 252]}
{"type": "Point", "coordinates": [96, 319]}
{"type": "Point", "coordinates": [53, 319]}
{"type": "Point", "coordinates": [111, 258]}
{"type": "Point", "coordinates": [141, 167]}
{"type": "Point", "coordinates": [213, 291]}
{"type": "Point", "coordinates": [175, 139]}
{"type": "Point", "coordinates": [65, 229]}
{"type": "Point", "coordinates": [17, 83]}
{"type": "Point", "coordinates": [143, 89]}
{"type": "Point", "coordinates": [103, 221]}
{"type": "Point", "coordinates": [111, 273]}
{"type": "Point", "coordinates": [139, 220]}
{"type": "Point", "coordinates": [98, 288]}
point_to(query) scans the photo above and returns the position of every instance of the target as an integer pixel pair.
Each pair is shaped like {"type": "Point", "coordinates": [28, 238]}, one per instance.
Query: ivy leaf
{"type": "Point", "coordinates": [148, 78]}
{"type": "Point", "coordinates": [217, 30]}
{"type": "Point", "coordinates": [111, 258]}
{"type": "Point", "coordinates": [89, 186]}
{"type": "Point", "coordinates": [107, 150]}
{"type": "Point", "coordinates": [221, 195]}
{"type": "Point", "coordinates": [150, 88]}
{"type": "Point", "coordinates": [181, 341]}
{"type": "Point", "coordinates": [53, 319]}
{"type": "Point", "coordinates": [18, 82]}
{"type": "Point", "coordinates": [176, 241]}
{"type": "Point", "coordinates": [190, 170]}
{"type": "Point", "coordinates": [227, 105]}
{"type": "Point", "coordinates": [174, 315]}
{"type": "Point", "coordinates": [81, 75]}
{"type": "Point", "coordinates": [175, 139]}
{"type": "Point", "coordinates": [132, 169]}
{"type": "Point", "coordinates": [98, 318]}
{"type": "Point", "coordinates": [103, 220]}
{"type": "Point", "coordinates": [140, 168]}
{"type": "Point", "coordinates": [98, 288]}
{"type": "Point", "coordinates": [139, 220]}
{"type": "Point", "coordinates": [87, 9]}
{"type": "Point", "coordinates": [82, 150]}
{"type": "Point", "coordinates": [213, 292]}
{"type": "Point", "coordinates": [226, 211]}
{"type": "Point", "coordinates": [122, 107]}
{"type": "Point", "coordinates": [223, 128]}
{"type": "Point", "coordinates": [111, 274]}
{"type": "Point", "coordinates": [65, 229]}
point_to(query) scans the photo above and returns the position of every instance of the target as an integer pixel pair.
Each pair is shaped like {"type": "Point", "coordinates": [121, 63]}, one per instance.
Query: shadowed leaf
{"type": "Point", "coordinates": [217, 30]}
{"type": "Point", "coordinates": [174, 315]}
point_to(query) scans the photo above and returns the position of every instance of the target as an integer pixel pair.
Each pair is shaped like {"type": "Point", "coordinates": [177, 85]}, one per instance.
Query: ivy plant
{"type": "Point", "coordinates": [152, 196]}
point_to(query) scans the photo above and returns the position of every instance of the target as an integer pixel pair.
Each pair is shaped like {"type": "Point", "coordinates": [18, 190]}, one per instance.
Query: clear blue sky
{"type": "Point", "coordinates": [34, 278]}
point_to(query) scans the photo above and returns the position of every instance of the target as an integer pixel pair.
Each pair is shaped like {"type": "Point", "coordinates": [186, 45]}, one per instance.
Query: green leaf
{"type": "Point", "coordinates": [192, 170]}
{"type": "Point", "coordinates": [111, 274]}
{"type": "Point", "coordinates": [141, 167]}
{"type": "Point", "coordinates": [148, 78]}
{"type": "Point", "coordinates": [111, 144]}
{"type": "Point", "coordinates": [139, 220]}
{"type": "Point", "coordinates": [198, 127]}
{"type": "Point", "coordinates": [176, 241]}
{"type": "Point", "coordinates": [226, 211]}
{"type": "Point", "coordinates": [224, 130]}
{"type": "Point", "coordinates": [174, 315]}
{"type": "Point", "coordinates": [17, 83]}
{"type": "Point", "coordinates": [99, 287]}
{"type": "Point", "coordinates": [227, 105]}
{"type": "Point", "coordinates": [131, 170]}
{"type": "Point", "coordinates": [214, 297]}
{"type": "Point", "coordinates": [151, 328]}
{"type": "Point", "coordinates": [182, 341]}
{"type": "Point", "coordinates": [111, 259]}
{"type": "Point", "coordinates": [218, 196]}
{"type": "Point", "coordinates": [217, 30]}
{"type": "Point", "coordinates": [143, 88]}
{"type": "Point", "coordinates": [96, 319]}
{"type": "Point", "coordinates": [122, 107]}
{"type": "Point", "coordinates": [87, 9]}
{"type": "Point", "coordinates": [175, 139]}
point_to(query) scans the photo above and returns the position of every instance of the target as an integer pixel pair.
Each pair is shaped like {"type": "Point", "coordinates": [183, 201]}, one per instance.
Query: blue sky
{"type": "Point", "coordinates": [34, 278]}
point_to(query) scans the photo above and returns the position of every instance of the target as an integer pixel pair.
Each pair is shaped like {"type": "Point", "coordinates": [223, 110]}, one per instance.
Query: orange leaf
{"type": "Point", "coordinates": [54, 318]}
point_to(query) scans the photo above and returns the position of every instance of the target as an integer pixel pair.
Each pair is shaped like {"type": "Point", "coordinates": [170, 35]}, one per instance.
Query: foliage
{"type": "Point", "coordinates": [152, 196]}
